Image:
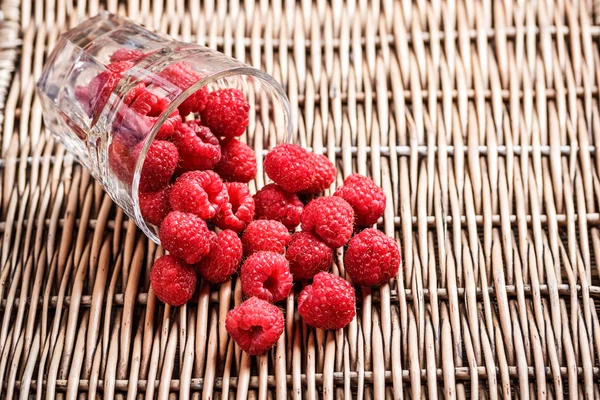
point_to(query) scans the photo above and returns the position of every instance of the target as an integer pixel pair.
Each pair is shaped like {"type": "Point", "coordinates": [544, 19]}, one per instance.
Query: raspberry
{"type": "Point", "coordinates": [239, 211]}
{"type": "Point", "coordinates": [124, 54]}
{"type": "Point", "coordinates": [329, 303]}
{"type": "Point", "coordinates": [265, 235]}
{"type": "Point", "coordinates": [366, 198]}
{"type": "Point", "coordinates": [223, 259]}
{"type": "Point", "coordinates": [172, 280]}
{"type": "Point", "coordinates": [272, 202]}
{"type": "Point", "coordinates": [198, 148]}
{"type": "Point", "coordinates": [372, 258]}
{"type": "Point", "coordinates": [201, 193]}
{"type": "Point", "coordinates": [183, 76]}
{"type": "Point", "coordinates": [307, 255]}
{"type": "Point", "coordinates": [185, 236]}
{"type": "Point", "coordinates": [103, 84]}
{"type": "Point", "coordinates": [120, 159]}
{"type": "Point", "coordinates": [143, 113]}
{"type": "Point", "coordinates": [330, 219]}
{"type": "Point", "coordinates": [255, 325]}
{"type": "Point", "coordinates": [226, 112]}
{"type": "Point", "coordinates": [238, 162]}
{"type": "Point", "coordinates": [324, 173]}
{"type": "Point", "coordinates": [289, 166]}
{"type": "Point", "coordinates": [266, 275]}
{"type": "Point", "coordinates": [159, 165]}
{"type": "Point", "coordinates": [155, 206]}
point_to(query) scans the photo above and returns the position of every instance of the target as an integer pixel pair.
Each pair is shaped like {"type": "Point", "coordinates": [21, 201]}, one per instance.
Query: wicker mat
{"type": "Point", "coordinates": [479, 118]}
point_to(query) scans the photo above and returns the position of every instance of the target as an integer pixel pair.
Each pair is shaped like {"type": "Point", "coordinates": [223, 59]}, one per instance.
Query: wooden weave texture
{"type": "Point", "coordinates": [479, 118]}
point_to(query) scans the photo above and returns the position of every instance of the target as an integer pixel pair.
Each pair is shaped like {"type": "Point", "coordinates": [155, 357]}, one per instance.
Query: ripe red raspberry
{"type": "Point", "coordinates": [308, 255]}
{"type": "Point", "coordinates": [159, 165]}
{"type": "Point", "coordinates": [185, 236]}
{"type": "Point", "coordinates": [120, 159]}
{"type": "Point", "coordinates": [239, 211]}
{"type": "Point", "coordinates": [223, 259]}
{"type": "Point", "coordinates": [183, 76]}
{"type": "Point", "coordinates": [238, 162]}
{"type": "Point", "coordinates": [329, 303]}
{"type": "Point", "coordinates": [201, 193]}
{"type": "Point", "coordinates": [265, 235]}
{"type": "Point", "coordinates": [125, 54]}
{"type": "Point", "coordinates": [255, 325]}
{"type": "Point", "coordinates": [372, 258]}
{"type": "Point", "coordinates": [289, 166]}
{"type": "Point", "coordinates": [324, 173]}
{"type": "Point", "coordinates": [102, 85]}
{"type": "Point", "coordinates": [366, 198]}
{"type": "Point", "coordinates": [198, 148]}
{"type": "Point", "coordinates": [155, 206]}
{"type": "Point", "coordinates": [142, 113]}
{"type": "Point", "coordinates": [330, 218]}
{"type": "Point", "coordinates": [272, 202]}
{"type": "Point", "coordinates": [226, 113]}
{"type": "Point", "coordinates": [266, 275]}
{"type": "Point", "coordinates": [172, 280]}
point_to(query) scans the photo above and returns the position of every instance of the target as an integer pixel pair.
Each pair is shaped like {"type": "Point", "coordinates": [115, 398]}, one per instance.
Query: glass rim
{"type": "Point", "coordinates": [241, 70]}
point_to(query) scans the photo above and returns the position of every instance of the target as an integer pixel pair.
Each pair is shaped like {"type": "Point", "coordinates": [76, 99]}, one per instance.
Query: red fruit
{"type": "Point", "coordinates": [121, 160]}
{"type": "Point", "coordinates": [183, 76]}
{"type": "Point", "coordinates": [272, 202]}
{"type": "Point", "coordinates": [330, 218]}
{"type": "Point", "coordinates": [172, 280]}
{"type": "Point", "coordinates": [289, 165]}
{"type": "Point", "coordinates": [223, 259]}
{"type": "Point", "coordinates": [159, 165]}
{"type": "Point", "coordinates": [103, 84]}
{"type": "Point", "coordinates": [185, 236]}
{"type": "Point", "coordinates": [266, 275]}
{"type": "Point", "coordinates": [201, 193]}
{"type": "Point", "coordinates": [366, 198]}
{"type": "Point", "coordinates": [226, 113]}
{"type": "Point", "coordinates": [372, 258]}
{"type": "Point", "coordinates": [329, 303]}
{"type": "Point", "coordinates": [155, 206]}
{"type": "Point", "coordinates": [308, 256]}
{"type": "Point", "coordinates": [255, 325]}
{"type": "Point", "coordinates": [124, 54]}
{"type": "Point", "coordinates": [143, 113]}
{"type": "Point", "coordinates": [324, 173]}
{"type": "Point", "coordinates": [238, 162]}
{"type": "Point", "coordinates": [198, 148]}
{"type": "Point", "coordinates": [239, 211]}
{"type": "Point", "coordinates": [265, 235]}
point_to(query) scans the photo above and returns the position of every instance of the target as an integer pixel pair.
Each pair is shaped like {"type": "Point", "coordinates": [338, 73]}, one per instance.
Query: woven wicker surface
{"type": "Point", "coordinates": [480, 120]}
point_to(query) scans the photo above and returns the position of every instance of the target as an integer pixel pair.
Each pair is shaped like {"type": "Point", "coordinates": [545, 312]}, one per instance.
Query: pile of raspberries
{"type": "Point", "coordinates": [193, 187]}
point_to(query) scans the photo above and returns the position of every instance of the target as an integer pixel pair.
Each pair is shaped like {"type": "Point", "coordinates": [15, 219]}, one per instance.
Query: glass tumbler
{"type": "Point", "coordinates": [111, 88]}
